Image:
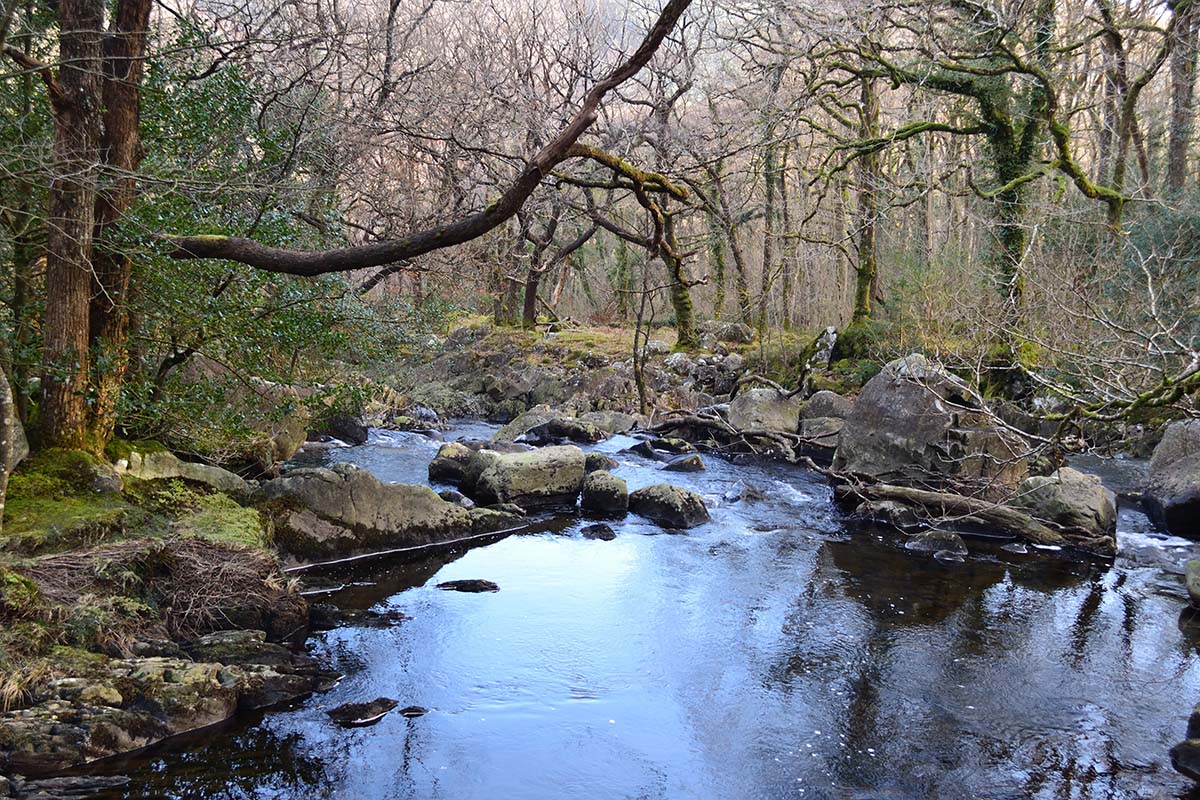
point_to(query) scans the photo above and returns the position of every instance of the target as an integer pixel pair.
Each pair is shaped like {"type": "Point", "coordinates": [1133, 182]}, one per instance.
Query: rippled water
{"type": "Point", "coordinates": [769, 654]}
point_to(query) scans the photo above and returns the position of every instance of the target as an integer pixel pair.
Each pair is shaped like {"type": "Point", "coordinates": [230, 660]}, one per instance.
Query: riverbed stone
{"type": "Point", "coordinates": [915, 424]}
{"type": "Point", "coordinates": [1070, 499]}
{"type": "Point", "coordinates": [563, 429]}
{"type": "Point", "coordinates": [599, 461]}
{"type": "Point", "coordinates": [757, 409]}
{"type": "Point", "coordinates": [1185, 758]}
{"type": "Point", "coordinates": [535, 416]}
{"type": "Point", "coordinates": [604, 493]}
{"type": "Point", "coordinates": [934, 542]}
{"type": "Point", "coordinates": [690, 462]}
{"type": "Point", "coordinates": [669, 506]}
{"type": "Point", "coordinates": [548, 476]}
{"type": "Point", "coordinates": [1173, 490]}
{"type": "Point", "coordinates": [826, 404]}
{"type": "Point", "coordinates": [1191, 574]}
{"type": "Point", "coordinates": [450, 463]}
{"type": "Point", "coordinates": [329, 513]}
{"type": "Point", "coordinates": [611, 422]}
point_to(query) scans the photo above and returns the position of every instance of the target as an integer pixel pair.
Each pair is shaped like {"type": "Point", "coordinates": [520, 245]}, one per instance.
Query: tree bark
{"type": "Point", "coordinates": [868, 206]}
{"type": "Point", "coordinates": [1183, 93]}
{"type": "Point", "coordinates": [76, 99]}
{"type": "Point", "coordinates": [121, 152]}
{"type": "Point", "coordinates": [8, 443]}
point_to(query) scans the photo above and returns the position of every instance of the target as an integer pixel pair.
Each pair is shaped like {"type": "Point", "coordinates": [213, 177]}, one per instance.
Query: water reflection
{"type": "Point", "coordinates": [770, 654]}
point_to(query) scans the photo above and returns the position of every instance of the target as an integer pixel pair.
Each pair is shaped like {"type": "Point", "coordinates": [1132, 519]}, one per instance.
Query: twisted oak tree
{"type": "Point", "coordinates": [382, 254]}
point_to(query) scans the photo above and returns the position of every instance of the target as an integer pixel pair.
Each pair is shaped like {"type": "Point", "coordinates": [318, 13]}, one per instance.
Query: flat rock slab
{"type": "Point", "coordinates": [361, 715]}
{"type": "Point", "coordinates": [473, 585]}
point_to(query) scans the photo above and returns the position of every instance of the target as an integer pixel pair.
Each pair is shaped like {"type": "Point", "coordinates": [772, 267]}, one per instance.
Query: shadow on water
{"type": "Point", "coordinates": [769, 654]}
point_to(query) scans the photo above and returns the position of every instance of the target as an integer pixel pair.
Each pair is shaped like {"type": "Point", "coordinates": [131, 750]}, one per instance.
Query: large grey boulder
{"type": "Point", "coordinates": [669, 506]}
{"type": "Point", "coordinates": [155, 463]}
{"type": "Point", "coordinates": [604, 493]}
{"type": "Point", "coordinates": [563, 429]}
{"type": "Point", "coordinates": [612, 422]}
{"type": "Point", "coordinates": [1173, 491]}
{"type": "Point", "coordinates": [538, 415]}
{"type": "Point", "coordinates": [826, 404]}
{"type": "Point", "coordinates": [765, 409]}
{"type": "Point", "coordinates": [915, 424]}
{"type": "Point", "coordinates": [548, 476]}
{"type": "Point", "coordinates": [328, 513]}
{"type": "Point", "coordinates": [1071, 500]}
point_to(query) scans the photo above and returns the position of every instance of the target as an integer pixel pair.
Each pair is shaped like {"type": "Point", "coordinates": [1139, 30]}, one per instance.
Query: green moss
{"type": "Point", "coordinates": [35, 525]}
{"type": "Point", "coordinates": [219, 518]}
{"type": "Point", "coordinates": [121, 449]}
{"type": "Point", "coordinates": [55, 473]}
{"type": "Point", "coordinates": [18, 594]}
{"type": "Point", "coordinates": [863, 340]}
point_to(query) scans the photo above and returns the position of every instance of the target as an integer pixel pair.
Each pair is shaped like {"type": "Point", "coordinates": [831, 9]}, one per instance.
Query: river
{"type": "Point", "coordinates": [772, 653]}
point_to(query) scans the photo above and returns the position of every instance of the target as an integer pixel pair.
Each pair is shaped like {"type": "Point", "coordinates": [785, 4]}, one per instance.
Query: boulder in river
{"type": "Point", "coordinates": [599, 461]}
{"type": "Point", "coordinates": [598, 531]}
{"type": "Point", "coordinates": [563, 429]}
{"type": "Point", "coordinates": [826, 404]}
{"type": "Point", "coordinates": [1070, 500]}
{"type": "Point", "coordinates": [604, 493]}
{"type": "Point", "coordinates": [361, 715]}
{"type": "Point", "coordinates": [535, 416]}
{"type": "Point", "coordinates": [689, 462]}
{"type": "Point", "coordinates": [611, 422]}
{"type": "Point", "coordinates": [758, 409]}
{"type": "Point", "coordinates": [914, 424]}
{"type": "Point", "coordinates": [469, 585]}
{"type": "Point", "coordinates": [450, 463]}
{"type": "Point", "coordinates": [1191, 574]}
{"type": "Point", "coordinates": [548, 476]}
{"type": "Point", "coordinates": [669, 506]}
{"type": "Point", "coordinates": [1173, 491]}
{"type": "Point", "coordinates": [329, 513]}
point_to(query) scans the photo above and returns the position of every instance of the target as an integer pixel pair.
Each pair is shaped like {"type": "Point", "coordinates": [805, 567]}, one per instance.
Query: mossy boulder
{"type": "Point", "coordinates": [604, 493]}
{"type": "Point", "coordinates": [548, 476]}
{"type": "Point", "coordinates": [669, 506]}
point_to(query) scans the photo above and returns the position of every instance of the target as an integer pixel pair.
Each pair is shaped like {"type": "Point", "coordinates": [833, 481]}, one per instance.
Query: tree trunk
{"type": "Point", "coordinates": [868, 207]}
{"type": "Point", "coordinates": [121, 151]}
{"type": "Point", "coordinates": [529, 309]}
{"type": "Point", "coordinates": [7, 439]}
{"type": "Point", "coordinates": [1183, 91]}
{"type": "Point", "coordinates": [76, 99]}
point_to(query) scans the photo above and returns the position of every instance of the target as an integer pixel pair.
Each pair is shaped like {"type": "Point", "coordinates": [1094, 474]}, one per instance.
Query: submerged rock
{"type": "Point", "coordinates": [604, 493]}
{"type": "Point", "coordinates": [549, 476]}
{"type": "Point", "coordinates": [598, 531]}
{"type": "Point", "coordinates": [1173, 491]}
{"type": "Point", "coordinates": [472, 585]}
{"type": "Point", "coordinates": [669, 506]}
{"type": "Point", "coordinates": [412, 712]}
{"type": "Point", "coordinates": [937, 542]}
{"type": "Point", "coordinates": [757, 409]}
{"type": "Point", "coordinates": [361, 715]}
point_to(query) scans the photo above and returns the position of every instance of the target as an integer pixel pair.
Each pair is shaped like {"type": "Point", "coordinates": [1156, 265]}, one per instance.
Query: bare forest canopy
{"type": "Point", "coordinates": [259, 187]}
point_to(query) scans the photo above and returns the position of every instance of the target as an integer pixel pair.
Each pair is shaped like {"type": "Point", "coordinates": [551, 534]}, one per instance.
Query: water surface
{"type": "Point", "coordinates": [772, 653]}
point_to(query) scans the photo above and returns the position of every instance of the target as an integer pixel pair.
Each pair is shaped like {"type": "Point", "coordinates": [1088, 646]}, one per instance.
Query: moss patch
{"type": "Point", "coordinates": [219, 518]}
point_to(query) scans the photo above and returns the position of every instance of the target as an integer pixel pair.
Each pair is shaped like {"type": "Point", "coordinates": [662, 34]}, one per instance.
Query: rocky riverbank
{"type": "Point", "coordinates": [146, 596]}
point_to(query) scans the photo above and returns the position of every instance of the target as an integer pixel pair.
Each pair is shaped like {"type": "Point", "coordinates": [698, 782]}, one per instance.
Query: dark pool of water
{"type": "Point", "coordinates": [772, 653]}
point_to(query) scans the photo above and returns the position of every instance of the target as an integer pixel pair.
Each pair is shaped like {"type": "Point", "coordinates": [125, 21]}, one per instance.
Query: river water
{"type": "Point", "coordinates": [772, 653]}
